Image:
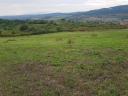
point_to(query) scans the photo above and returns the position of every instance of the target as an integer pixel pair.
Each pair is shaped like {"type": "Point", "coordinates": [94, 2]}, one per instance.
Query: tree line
{"type": "Point", "coordinates": [31, 27]}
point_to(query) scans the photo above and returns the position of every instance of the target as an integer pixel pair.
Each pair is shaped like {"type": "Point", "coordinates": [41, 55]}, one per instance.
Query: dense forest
{"type": "Point", "coordinates": [31, 27]}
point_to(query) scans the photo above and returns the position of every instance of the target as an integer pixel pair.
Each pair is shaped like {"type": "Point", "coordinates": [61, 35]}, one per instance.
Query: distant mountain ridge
{"type": "Point", "coordinates": [116, 13]}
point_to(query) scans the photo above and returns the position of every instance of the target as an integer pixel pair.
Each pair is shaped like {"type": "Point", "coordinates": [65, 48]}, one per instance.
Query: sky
{"type": "Point", "coordinates": [21, 7]}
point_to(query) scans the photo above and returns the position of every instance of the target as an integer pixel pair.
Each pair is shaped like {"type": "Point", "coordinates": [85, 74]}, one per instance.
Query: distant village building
{"type": "Point", "coordinates": [124, 23]}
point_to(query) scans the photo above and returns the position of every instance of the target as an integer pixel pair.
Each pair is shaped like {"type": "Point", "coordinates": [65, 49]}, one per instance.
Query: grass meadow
{"type": "Point", "coordinates": [65, 64]}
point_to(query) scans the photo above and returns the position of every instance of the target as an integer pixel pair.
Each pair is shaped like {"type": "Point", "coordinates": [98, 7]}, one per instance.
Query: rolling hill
{"type": "Point", "coordinates": [116, 13]}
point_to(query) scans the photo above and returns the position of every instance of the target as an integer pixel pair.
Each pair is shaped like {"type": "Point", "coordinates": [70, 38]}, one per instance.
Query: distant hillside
{"type": "Point", "coordinates": [108, 11]}
{"type": "Point", "coordinates": [51, 16]}
{"type": "Point", "coordinates": [117, 13]}
{"type": "Point", "coordinates": [105, 14]}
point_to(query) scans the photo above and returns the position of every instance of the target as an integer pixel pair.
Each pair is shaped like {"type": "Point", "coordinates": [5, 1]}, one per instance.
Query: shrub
{"type": "Point", "coordinates": [0, 32]}
{"type": "Point", "coordinates": [94, 35]}
{"type": "Point", "coordinates": [23, 27]}
{"type": "Point", "coordinates": [70, 42]}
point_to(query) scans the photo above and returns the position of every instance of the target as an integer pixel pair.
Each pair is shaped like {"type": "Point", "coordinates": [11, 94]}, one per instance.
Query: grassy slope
{"type": "Point", "coordinates": [65, 64]}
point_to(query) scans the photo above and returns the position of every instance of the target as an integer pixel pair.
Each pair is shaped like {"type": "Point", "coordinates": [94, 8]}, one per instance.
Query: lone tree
{"type": "Point", "coordinates": [23, 27]}
{"type": "Point", "coordinates": [0, 32]}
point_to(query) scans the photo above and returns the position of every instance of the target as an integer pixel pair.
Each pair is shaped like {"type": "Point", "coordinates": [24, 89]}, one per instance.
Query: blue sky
{"type": "Point", "coordinates": [19, 7]}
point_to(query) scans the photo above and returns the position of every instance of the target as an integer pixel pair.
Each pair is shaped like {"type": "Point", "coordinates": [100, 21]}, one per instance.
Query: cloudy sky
{"type": "Point", "coordinates": [19, 7]}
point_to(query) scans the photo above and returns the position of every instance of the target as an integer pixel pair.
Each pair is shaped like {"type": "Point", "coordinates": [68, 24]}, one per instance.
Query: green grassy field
{"type": "Point", "coordinates": [65, 64]}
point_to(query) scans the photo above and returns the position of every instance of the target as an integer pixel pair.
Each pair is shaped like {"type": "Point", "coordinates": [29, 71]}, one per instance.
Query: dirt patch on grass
{"type": "Point", "coordinates": [103, 72]}
{"type": "Point", "coordinates": [37, 79]}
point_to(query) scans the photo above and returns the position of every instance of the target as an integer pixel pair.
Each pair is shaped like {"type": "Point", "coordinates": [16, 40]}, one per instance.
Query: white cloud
{"type": "Point", "coordinates": [18, 7]}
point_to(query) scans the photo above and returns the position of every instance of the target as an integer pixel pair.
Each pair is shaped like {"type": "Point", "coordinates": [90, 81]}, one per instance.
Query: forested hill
{"type": "Point", "coordinates": [107, 11]}
{"type": "Point", "coordinates": [116, 13]}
